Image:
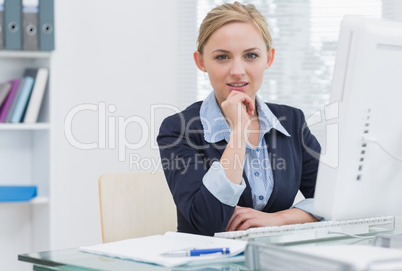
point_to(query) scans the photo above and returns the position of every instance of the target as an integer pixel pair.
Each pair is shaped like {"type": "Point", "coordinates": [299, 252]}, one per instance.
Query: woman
{"type": "Point", "coordinates": [231, 161]}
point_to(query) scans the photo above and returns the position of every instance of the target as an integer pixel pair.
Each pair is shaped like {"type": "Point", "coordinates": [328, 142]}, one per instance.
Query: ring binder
{"type": "Point", "coordinates": [30, 25]}
{"type": "Point", "coordinates": [12, 21]}
{"type": "Point", "coordinates": [46, 25]}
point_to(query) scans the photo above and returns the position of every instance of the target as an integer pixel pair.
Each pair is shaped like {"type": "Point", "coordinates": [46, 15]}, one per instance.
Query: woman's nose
{"type": "Point", "coordinates": [237, 68]}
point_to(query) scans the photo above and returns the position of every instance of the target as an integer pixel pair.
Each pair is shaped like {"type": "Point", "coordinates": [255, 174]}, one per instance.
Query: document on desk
{"type": "Point", "coordinates": [150, 249]}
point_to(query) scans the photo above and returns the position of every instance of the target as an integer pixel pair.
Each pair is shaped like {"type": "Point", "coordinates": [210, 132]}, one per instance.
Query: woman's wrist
{"type": "Point", "coordinates": [293, 216]}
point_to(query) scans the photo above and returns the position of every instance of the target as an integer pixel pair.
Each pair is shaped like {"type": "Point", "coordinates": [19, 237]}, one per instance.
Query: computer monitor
{"type": "Point", "coordinates": [367, 91]}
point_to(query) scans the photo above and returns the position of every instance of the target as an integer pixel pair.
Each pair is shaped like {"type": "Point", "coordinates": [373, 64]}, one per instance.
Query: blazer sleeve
{"type": "Point", "coordinates": [184, 163]}
{"type": "Point", "coordinates": [311, 150]}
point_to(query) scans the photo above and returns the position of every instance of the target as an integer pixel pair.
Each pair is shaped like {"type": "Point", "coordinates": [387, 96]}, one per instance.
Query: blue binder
{"type": "Point", "coordinates": [22, 101]}
{"type": "Point", "coordinates": [46, 25]}
{"type": "Point", "coordinates": [17, 193]}
{"type": "Point", "coordinates": [12, 23]}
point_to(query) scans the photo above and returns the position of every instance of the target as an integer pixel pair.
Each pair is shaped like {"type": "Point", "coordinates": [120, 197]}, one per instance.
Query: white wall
{"type": "Point", "coordinates": [118, 52]}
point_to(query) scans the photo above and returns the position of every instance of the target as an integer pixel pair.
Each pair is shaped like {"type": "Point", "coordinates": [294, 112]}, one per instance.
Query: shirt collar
{"type": "Point", "coordinates": [216, 128]}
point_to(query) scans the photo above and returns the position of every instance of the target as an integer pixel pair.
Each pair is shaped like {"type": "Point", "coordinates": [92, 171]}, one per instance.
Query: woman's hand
{"type": "Point", "coordinates": [237, 108]}
{"type": "Point", "coordinates": [244, 218]}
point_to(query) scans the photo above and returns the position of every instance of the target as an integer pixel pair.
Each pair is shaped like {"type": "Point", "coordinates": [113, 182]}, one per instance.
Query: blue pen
{"type": "Point", "coordinates": [197, 252]}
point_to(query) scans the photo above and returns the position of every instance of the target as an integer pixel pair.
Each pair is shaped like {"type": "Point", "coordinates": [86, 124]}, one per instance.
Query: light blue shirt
{"type": "Point", "coordinates": [257, 164]}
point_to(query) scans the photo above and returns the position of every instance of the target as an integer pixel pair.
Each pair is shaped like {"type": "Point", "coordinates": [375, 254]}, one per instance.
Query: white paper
{"type": "Point", "coordinates": [149, 249]}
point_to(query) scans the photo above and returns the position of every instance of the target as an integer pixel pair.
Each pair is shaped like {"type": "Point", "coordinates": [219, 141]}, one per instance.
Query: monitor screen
{"type": "Point", "coordinates": [364, 176]}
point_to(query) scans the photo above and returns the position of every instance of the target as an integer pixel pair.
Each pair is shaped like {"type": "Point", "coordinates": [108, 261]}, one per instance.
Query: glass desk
{"type": "Point", "coordinates": [74, 260]}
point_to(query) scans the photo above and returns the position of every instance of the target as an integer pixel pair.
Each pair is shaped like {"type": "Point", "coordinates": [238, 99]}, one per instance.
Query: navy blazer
{"type": "Point", "coordinates": [186, 157]}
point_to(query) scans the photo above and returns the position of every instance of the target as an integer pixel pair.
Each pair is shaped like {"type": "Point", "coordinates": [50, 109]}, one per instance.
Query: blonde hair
{"type": "Point", "coordinates": [229, 13]}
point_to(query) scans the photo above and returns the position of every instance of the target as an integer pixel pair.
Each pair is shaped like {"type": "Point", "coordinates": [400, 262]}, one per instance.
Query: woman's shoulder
{"type": "Point", "coordinates": [190, 114]}
{"type": "Point", "coordinates": [284, 111]}
{"type": "Point", "coordinates": [291, 118]}
{"type": "Point", "coordinates": [191, 111]}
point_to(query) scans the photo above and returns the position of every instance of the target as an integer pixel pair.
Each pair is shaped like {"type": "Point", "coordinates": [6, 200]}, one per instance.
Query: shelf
{"type": "Point", "coordinates": [24, 54]}
{"type": "Point", "coordinates": [25, 158]}
{"type": "Point", "coordinates": [24, 126]}
{"type": "Point", "coordinates": [34, 201]}
{"type": "Point", "coordinates": [39, 200]}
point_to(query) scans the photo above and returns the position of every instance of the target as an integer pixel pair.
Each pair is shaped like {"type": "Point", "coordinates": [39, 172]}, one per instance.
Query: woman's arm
{"type": "Point", "coordinates": [187, 162]}
{"type": "Point", "coordinates": [236, 108]}
{"type": "Point", "coordinates": [244, 218]}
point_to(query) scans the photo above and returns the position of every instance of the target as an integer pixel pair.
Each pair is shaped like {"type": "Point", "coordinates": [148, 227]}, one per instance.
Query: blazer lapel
{"type": "Point", "coordinates": [273, 151]}
{"type": "Point", "coordinates": [246, 199]}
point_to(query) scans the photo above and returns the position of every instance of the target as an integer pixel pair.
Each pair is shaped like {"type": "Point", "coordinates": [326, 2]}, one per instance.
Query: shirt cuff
{"type": "Point", "coordinates": [307, 205]}
{"type": "Point", "coordinates": [221, 187]}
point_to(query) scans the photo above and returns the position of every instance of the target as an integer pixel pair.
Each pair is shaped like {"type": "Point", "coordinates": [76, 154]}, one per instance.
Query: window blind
{"type": "Point", "coordinates": [389, 9]}
{"type": "Point", "coordinates": [304, 33]}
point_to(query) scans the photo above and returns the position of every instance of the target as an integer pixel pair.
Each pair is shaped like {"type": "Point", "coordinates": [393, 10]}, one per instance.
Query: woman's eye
{"type": "Point", "coordinates": [222, 57]}
{"type": "Point", "coordinates": [251, 56]}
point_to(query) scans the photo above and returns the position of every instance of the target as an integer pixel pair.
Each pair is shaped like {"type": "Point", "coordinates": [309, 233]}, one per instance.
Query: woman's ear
{"type": "Point", "coordinates": [199, 61]}
{"type": "Point", "coordinates": [270, 57]}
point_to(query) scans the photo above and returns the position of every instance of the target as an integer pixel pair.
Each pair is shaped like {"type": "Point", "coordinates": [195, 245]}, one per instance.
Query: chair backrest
{"type": "Point", "coordinates": [135, 205]}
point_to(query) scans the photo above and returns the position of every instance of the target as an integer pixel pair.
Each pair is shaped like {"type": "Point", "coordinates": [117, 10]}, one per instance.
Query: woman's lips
{"type": "Point", "coordinates": [238, 86]}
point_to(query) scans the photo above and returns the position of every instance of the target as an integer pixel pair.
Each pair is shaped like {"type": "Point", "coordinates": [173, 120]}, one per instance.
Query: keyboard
{"type": "Point", "coordinates": [313, 231]}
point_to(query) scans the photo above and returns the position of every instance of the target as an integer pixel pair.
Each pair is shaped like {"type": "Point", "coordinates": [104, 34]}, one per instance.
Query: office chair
{"type": "Point", "coordinates": [135, 205]}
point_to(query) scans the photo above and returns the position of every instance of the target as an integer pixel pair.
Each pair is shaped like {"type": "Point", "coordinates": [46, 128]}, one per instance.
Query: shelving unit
{"type": "Point", "coordinates": [35, 201]}
{"type": "Point", "coordinates": [22, 126]}
{"type": "Point", "coordinates": [25, 151]}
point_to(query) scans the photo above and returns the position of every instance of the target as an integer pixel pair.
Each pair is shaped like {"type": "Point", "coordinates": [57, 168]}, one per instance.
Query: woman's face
{"type": "Point", "coordinates": [235, 58]}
